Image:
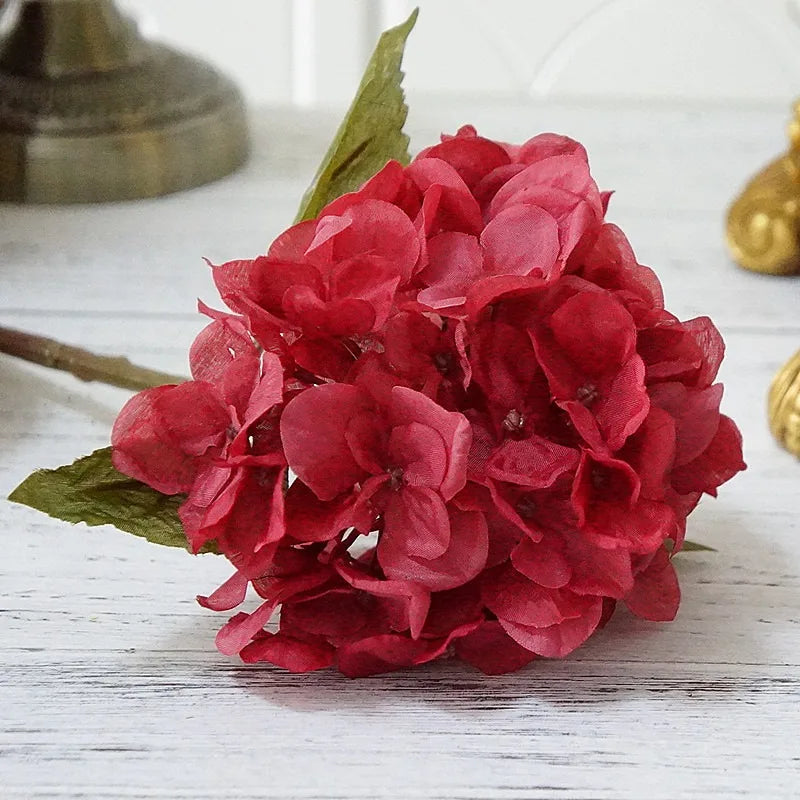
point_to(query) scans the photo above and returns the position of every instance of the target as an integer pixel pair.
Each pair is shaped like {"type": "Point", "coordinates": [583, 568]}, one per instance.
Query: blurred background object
{"type": "Point", "coordinates": [313, 51]}
{"type": "Point", "coordinates": [784, 405]}
{"type": "Point", "coordinates": [310, 53]}
{"type": "Point", "coordinates": [91, 111]}
{"type": "Point", "coordinates": [763, 227]}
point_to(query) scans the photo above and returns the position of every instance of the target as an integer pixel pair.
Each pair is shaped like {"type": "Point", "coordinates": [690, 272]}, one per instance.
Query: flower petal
{"type": "Point", "coordinates": [289, 653]}
{"type": "Point", "coordinates": [416, 598]}
{"type": "Point", "coordinates": [656, 594]}
{"type": "Point", "coordinates": [313, 431]}
{"type": "Point", "coordinates": [542, 562]}
{"type": "Point", "coordinates": [455, 262]}
{"type": "Point", "coordinates": [410, 406]}
{"type": "Point", "coordinates": [535, 462]}
{"type": "Point", "coordinates": [559, 640]}
{"type": "Point", "coordinates": [512, 596]}
{"type": "Point", "coordinates": [227, 596]}
{"type": "Point", "coordinates": [463, 560]}
{"type": "Point", "coordinates": [158, 443]}
{"type": "Point", "coordinates": [416, 521]}
{"type": "Point", "coordinates": [389, 652]}
{"type": "Point", "coordinates": [522, 240]}
{"type": "Point", "coordinates": [241, 628]}
{"type": "Point", "coordinates": [421, 453]}
{"type": "Point", "coordinates": [309, 519]}
{"type": "Point", "coordinates": [492, 650]}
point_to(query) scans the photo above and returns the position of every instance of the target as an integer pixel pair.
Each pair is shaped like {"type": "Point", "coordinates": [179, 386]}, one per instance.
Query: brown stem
{"type": "Point", "coordinates": [113, 370]}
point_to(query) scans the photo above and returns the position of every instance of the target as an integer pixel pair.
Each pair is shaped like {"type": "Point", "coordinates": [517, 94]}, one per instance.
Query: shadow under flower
{"type": "Point", "coordinates": [729, 641]}
{"type": "Point", "coordinates": [716, 649]}
{"type": "Point", "coordinates": [26, 396]}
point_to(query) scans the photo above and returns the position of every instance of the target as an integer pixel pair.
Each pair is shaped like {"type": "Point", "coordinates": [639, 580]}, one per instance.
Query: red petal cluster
{"type": "Point", "coordinates": [496, 430]}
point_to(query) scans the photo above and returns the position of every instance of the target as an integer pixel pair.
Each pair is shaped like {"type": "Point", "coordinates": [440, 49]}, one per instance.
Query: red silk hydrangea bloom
{"type": "Point", "coordinates": [448, 417]}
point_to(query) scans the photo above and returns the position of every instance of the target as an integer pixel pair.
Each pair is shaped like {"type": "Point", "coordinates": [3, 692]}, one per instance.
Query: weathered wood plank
{"type": "Point", "coordinates": [111, 687]}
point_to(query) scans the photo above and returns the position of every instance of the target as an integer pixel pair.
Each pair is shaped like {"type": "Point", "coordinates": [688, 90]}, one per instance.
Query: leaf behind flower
{"type": "Point", "coordinates": [694, 547]}
{"type": "Point", "coordinates": [372, 131]}
{"type": "Point", "coordinates": [90, 490]}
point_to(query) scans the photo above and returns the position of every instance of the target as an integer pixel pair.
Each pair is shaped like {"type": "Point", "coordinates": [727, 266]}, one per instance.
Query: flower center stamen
{"type": "Point", "coordinates": [514, 421]}
{"type": "Point", "coordinates": [587, 394]}
{"type": "Point", "coordinates": [395, 477]}
{"type": "Point", "coordinates": [600, 479]}
{"type": "Point", "coordinates": [443, 362]}
{"type": "Point", "coordinates": [526, 507]}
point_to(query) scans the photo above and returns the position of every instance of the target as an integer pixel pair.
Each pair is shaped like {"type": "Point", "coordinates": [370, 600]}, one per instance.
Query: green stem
{"type": "Point", "coordinates": [113, 370]}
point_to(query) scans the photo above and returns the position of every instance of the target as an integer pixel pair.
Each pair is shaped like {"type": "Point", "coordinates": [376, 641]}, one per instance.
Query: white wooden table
{"type": "Point", "coordinates": [110, 685]}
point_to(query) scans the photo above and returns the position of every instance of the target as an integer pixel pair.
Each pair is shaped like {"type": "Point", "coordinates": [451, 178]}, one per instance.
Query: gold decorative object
{"type": "Point", "coordinates": [784, 405]}
{"type": "Point", "coordinates": [90, 111]}
{"type": "Point", "coordinates": [763, 228]}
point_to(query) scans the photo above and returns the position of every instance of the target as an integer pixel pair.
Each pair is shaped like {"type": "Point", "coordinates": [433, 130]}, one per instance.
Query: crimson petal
{"type": "Point", "coordinates": [557, 641]}
{"type": "Point", "coordinates": [463, 560]}
{"type": "Point", "coordinates": [289, 653]}
{"type": "Point", "coordinates": [241, 628]}
{"type": "Point", "coordinates": [416, 520]}
{"type": "Point", "coordinates": [656, 594]}
{"type": "Point", "coordinates": [492, 650]}
{"type": "Point", "coordinates": [313, 431]}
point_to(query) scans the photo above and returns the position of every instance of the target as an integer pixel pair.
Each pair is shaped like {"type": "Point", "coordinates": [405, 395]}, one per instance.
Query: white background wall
{"type": "Point", "coordinates": [311, 51]}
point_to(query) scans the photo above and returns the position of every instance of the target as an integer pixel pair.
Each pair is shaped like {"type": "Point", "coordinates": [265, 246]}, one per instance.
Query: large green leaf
{"type": "Point", "coordinates": [372, 131]}
{"type": "Point", "coordinates": [90, 490]}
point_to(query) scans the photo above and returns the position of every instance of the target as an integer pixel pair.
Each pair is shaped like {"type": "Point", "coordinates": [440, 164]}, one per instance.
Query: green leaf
{"type": "Point", "coordinates": [90, 490]}
{"type": "Point", "coordinates": [690, 547]}
{"type": "Point", "coordinates": [372, 131]}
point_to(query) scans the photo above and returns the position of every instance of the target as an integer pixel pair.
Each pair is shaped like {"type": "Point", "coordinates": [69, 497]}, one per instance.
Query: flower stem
{"type": "Point", "coordinates": [113, 370]}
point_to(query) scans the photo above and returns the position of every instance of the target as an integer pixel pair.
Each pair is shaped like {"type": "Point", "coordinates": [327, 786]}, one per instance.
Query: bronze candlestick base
{"type": "Point", "coordinates": [763, 228]}
{"type": "Point", "coordinates": [90, 111]}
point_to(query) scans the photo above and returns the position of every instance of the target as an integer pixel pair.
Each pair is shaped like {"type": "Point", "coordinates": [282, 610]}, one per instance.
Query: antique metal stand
{"type": "Point", "coordinates": [90, 111]}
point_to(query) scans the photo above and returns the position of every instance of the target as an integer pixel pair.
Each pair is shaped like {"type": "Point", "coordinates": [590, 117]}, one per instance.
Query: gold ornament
{"type": "Point", "coordinates": [784, 405]}
{"type": "Point", "coordinates": [763, 228]}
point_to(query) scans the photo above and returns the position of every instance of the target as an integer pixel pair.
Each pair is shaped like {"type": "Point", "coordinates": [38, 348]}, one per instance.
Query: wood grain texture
{"type": "Point", "coordinates": [110, 685]}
